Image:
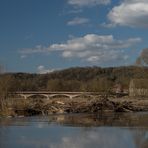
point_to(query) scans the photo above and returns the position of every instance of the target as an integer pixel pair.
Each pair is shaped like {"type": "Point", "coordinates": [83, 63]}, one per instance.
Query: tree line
{"type": "Point", "coordinates": [76, 79]}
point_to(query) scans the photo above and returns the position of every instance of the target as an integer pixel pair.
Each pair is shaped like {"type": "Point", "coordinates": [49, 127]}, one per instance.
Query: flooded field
{"type": "Point", "coordinates": [104, 130]}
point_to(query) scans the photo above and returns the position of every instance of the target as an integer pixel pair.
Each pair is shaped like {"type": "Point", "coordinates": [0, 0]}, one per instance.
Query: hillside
{"type": "Point", "coordinates": [77, 79]}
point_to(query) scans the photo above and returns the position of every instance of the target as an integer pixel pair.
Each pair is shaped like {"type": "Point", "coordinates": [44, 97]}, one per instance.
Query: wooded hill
{"type": "Point", "coordinates": [76, 79]}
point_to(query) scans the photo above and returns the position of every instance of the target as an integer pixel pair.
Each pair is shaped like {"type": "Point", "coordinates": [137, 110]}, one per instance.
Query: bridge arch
{"type": "Point", "coordinates": [60, 95]}
{"type": "Point", "coordinates": [37, 96]}
{"type": "Point", "coordinates": [28, 96]}
{"type": "Point", "coordinates": [83, 96]}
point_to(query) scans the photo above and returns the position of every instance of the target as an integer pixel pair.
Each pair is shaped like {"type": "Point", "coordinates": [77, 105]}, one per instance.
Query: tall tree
{"type": "Point", "coordinates": [5, 84]}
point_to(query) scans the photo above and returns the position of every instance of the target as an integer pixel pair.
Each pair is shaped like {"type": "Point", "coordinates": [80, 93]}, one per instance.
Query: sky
{"type": "Point", "coordinates": [46, 35]}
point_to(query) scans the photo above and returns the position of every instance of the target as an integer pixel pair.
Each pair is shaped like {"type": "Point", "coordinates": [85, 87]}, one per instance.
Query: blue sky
{"type": "Point", "coordinates": [45, 35]}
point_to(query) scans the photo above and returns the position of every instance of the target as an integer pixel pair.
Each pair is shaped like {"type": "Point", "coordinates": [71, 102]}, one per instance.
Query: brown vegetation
{"type": "Point", "coordinates": [4, 89]}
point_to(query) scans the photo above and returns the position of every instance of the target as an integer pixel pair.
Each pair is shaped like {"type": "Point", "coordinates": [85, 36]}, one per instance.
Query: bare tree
{"type": "Point", "coordinates": [142, 60]}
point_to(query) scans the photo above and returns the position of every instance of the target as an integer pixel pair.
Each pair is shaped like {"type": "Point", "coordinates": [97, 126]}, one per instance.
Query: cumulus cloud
{"type": "Point", "coordinates": [92, 48]}
{"type": "Point", "coordinates": [132, 13]}
{"type": "Point", "coordinates": [78, 21]}
{"type": "Point", "coordinates": [42, 70]}
{"type": "Point", "coordinates": [88, 3]}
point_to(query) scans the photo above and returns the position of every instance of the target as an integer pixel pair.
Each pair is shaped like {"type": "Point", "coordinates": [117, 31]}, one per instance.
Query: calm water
{"type": "Point", "coordinates": [108, 130]}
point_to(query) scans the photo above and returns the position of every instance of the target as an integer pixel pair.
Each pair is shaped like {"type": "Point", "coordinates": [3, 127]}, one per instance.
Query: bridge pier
{"type": "Point", "coordinates": [24, 96]}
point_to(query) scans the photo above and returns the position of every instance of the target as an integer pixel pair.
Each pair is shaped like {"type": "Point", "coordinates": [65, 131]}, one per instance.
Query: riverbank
{"type": "Point", "coordinates": [38, 106]}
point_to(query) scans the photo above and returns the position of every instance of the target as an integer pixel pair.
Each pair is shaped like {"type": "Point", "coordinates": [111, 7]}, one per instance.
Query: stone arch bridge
{"type": "Point", "coordinates": [48, 95]}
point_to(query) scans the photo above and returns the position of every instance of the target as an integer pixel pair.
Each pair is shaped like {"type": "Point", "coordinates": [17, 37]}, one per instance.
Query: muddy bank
{"type": "Point", "coordinates": [94, 105]}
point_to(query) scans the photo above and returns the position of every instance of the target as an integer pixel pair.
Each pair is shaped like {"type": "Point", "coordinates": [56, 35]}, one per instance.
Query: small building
{"type": "Point", "coordinates": [138, 87]}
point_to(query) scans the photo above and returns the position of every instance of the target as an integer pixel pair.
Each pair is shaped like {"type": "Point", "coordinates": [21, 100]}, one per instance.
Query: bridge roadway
{"type": "Point", "coordinates": [48, 94]}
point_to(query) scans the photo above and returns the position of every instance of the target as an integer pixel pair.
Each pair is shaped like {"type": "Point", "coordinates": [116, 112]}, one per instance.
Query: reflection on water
{"type": "Point", "coordinates": [128, 130]}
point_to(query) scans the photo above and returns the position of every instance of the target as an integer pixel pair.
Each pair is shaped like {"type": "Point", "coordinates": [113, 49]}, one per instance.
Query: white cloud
{"type": "Point", "coordinates": [132, 13]}
{"type": "Point", "coordinates": [37, 49]}
{"type": "Point", "coordinates": [88, 3]}
{"type": "Point", "coordinates": [92, 48]}
{"type": "Point", "coordinates": [78, 21]}
{"type": "Point", "coordinates": [42, 70]}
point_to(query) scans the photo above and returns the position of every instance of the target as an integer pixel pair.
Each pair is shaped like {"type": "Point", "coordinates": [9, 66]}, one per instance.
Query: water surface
{"type": "Point", "coordinates": [128, 130]}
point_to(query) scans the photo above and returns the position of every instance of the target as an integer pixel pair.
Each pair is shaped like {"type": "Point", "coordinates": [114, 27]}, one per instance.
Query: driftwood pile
{"type": "Point", "coordinates": [78, 106]}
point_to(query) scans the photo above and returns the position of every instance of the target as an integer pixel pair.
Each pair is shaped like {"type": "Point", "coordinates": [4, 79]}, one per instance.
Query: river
{"type": "Point", "coordinates": [103, 130]}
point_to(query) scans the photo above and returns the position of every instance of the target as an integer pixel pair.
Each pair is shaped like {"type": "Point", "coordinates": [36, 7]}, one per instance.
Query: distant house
{"type": "Point", "coordinates": [138, 87]}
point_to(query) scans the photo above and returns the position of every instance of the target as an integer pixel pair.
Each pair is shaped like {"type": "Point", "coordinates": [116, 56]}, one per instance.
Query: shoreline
{"type": "Point", "coordinates": [79, 105]}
